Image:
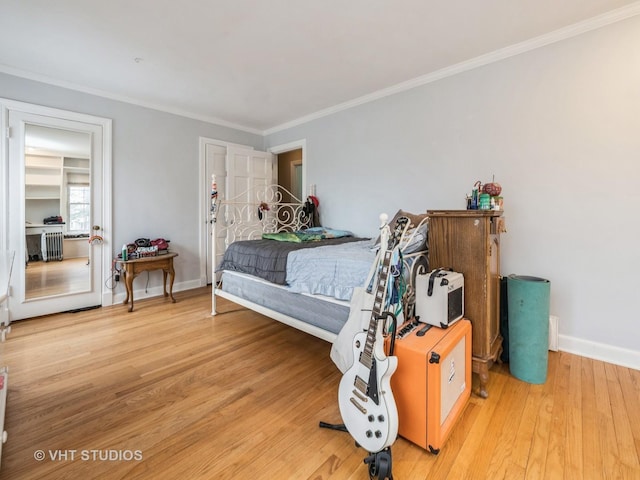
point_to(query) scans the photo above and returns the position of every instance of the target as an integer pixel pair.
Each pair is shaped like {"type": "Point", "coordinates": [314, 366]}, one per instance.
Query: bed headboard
{"type": "Point", "coordinates": [262, 209]}
{"type": "Point", "coordinates": [415, 260]}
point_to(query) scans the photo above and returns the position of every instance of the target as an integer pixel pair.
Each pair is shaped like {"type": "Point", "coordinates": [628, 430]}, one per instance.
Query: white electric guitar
{"type": "Point", "coordinates": [366, 402]}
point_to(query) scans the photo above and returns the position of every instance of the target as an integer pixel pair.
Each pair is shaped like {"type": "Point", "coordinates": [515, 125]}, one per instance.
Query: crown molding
{"type": "Point", "coordinates": [570, 31]}
{"type": "Point", "coordinates": [121, 98]}
{"type": "Point", "coordinates": [564, 33]}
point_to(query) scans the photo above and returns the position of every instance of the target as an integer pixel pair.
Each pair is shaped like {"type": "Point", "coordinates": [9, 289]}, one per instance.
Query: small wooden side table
{"type": "Point", "coordinates": [131, 269]}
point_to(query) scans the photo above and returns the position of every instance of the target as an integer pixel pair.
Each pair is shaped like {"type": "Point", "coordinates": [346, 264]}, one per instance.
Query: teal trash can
{"type": "Point", "coordinates": [528, 304]}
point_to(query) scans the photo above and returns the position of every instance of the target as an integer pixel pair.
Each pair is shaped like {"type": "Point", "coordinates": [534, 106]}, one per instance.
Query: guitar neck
{"type": "Point", "coordinates": [379, 298]}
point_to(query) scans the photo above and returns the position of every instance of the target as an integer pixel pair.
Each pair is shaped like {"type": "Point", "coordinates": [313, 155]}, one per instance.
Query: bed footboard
{"type": "Point", "coordinates": [263, 209]}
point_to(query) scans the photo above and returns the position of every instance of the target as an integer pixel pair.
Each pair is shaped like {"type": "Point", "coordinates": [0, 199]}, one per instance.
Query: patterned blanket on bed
{"type": "Point", "coordinates": [309, 235]}
{"type": "Point", "coordinates": [268, 259]}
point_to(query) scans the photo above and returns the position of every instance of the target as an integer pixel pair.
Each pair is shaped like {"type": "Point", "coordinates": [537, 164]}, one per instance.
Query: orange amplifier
{"type": "Point", "coordinates": [432, 384]}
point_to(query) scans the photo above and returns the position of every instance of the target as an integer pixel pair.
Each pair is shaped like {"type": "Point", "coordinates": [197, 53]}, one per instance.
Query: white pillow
{"type": "Point", "coordinates": [415, 240]}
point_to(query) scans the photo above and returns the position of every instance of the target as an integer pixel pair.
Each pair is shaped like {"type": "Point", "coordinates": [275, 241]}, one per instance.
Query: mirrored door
{"type": "Point", "coordinates": [55, 213]}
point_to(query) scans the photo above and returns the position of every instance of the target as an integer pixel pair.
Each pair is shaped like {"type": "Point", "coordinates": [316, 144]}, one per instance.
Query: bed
{"type": "Point", "coordinates": [268, 256]}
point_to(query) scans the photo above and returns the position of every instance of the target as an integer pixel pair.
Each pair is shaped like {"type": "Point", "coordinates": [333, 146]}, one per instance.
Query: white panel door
{"type": "Point", "coordinates": [238, 171]}
{"type": "Point", "coordinates": [249, 170]}
{"type": "Point", "coordinates": [215, 164]}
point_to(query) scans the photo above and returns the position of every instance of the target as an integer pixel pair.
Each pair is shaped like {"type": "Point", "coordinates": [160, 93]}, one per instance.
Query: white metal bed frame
{"type": "Point", "coordinates": [242, 218]}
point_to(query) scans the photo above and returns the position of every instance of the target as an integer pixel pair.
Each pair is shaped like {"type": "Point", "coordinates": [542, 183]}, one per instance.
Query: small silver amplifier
{"type": "Point", "coordinates": [439, 297]}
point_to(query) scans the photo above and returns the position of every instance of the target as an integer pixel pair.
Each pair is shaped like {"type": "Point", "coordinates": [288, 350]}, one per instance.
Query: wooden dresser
{"type": "Point", "coordinates": [468, 241]}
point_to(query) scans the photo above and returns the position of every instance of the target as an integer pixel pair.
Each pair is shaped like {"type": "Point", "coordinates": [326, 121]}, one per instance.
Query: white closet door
{"type": "Point", "coordinates": [249, 170]}
{"type": "Point", "coordinates": [215, 164]}
{"type": "Point", "coordinates": [239, 171]}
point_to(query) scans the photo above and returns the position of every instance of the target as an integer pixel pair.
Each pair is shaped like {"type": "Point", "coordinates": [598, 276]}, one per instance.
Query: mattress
{"type": "Point", "coordinates": [320, 311]}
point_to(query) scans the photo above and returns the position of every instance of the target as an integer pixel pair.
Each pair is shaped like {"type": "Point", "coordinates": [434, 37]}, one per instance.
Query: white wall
{"type": "Point", "coordinates": [155, 170]}
{"type": "Point", "coordinates": [560, 129]}
{"type": "Point", "coordinates": [76, 247]}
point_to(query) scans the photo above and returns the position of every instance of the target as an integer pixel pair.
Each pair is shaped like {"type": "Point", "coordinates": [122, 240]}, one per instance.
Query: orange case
{"type": "Point", "coordinates": [432, 384]}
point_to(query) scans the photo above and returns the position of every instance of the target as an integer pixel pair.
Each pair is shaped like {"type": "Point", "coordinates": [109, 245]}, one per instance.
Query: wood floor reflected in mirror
{"type": "Point", "coordinates": [44, 279]}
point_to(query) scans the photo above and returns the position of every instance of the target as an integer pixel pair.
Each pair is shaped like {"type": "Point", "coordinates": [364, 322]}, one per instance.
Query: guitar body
{"type": "Point", "coordinates": [373, 425]}
{"type": "Point", "coordinates": [366, 402]}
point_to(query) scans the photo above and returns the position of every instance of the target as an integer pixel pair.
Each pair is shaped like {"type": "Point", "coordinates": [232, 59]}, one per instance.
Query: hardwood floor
{"type": "Point", "coordinates": [43, 279]}
{"type": "Point", "coordinates": [239, 396]}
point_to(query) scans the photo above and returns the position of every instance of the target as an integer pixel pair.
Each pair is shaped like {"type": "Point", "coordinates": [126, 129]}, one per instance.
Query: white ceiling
{"type": "Point", "coordinates": [261, 65]}
{"type": "Point", "coordinates": [39, 140]}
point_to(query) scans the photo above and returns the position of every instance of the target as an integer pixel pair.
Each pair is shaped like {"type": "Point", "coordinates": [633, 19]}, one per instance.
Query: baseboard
{"type": "Point", "coordinates": [155, 291]}
{"type": "Point", "coordinates": [553, 333]}
{"type": "Point", "coordinates": [600, 351]}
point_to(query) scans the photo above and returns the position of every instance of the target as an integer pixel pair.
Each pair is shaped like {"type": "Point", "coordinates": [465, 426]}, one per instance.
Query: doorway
{"type": "Point", "coordinates": [292, 167]}
{"type": "Point", "coordinates": [290, 173]}
{"type": "Point", "coordinates": [57, 165]}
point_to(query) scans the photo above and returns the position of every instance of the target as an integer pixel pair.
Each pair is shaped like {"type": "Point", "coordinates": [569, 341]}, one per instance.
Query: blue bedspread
{"type": "Point", "coordinates": [333, 271]}
{"type": "Point", "coordinates": [267, 259]}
